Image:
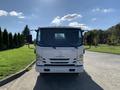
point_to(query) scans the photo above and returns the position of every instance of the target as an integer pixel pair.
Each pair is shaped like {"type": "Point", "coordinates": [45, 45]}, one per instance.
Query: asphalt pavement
{"type": "Point", "coordinates": [102, 72]}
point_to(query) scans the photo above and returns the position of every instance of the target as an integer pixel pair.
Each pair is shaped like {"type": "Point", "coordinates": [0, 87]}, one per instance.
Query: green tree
{"type": "Point", "coordinates": [11, 43]}
{"type": "Point", "coordinates": [5, 39]}
{"type": "Point", "coordinates": [1, 39]}
{"type": "Point", "coordinates": [95, 37]}
{"type": "Point", "coordinates": [22, 39]}
{"type": "Point", "coordinates": [19, 39]}
{"type": "Point", "coordinates": [26, 33]}
{"type": "Point", "coordinates": [15, 39]}
{"type": "Point", "coordinates": [88, 38]}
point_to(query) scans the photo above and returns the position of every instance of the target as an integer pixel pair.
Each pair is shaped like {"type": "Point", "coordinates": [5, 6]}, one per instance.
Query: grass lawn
{"type": "Point", "coordinates": [105, 48]}
{"type": "Point", "coordinates": [12, 61]}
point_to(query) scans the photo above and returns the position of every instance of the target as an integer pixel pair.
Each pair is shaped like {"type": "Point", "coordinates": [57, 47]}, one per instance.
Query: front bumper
{"type": "Point", "coordinates": [59, 69]}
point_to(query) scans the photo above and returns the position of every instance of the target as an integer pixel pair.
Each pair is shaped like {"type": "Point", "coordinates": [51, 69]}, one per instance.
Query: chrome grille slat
{"type": "Point", "coordinates": [59, 65]}
{"type": "Point", "coordinates": [59, 59]}
{"type": "Point", "coordinates": [59, 62]}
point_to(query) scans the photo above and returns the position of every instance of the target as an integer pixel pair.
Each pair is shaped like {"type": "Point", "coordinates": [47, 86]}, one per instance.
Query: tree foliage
{"type": "Point", "coordinates": [26, 33]}
{"type": "Point", "coordinates": [1, 39]}
{"type": "Point", "coordinates": [110, 36]}
{"type": "Point", "coordinates": [11, 43]}
{"type": "Point", "coordinates": [9, 40]}
{"type": "Point", "coordinates": [5, 39]}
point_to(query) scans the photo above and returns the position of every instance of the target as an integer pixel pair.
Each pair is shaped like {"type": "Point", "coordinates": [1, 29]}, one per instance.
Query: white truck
{"type": "Point", "coordinates": [59, 50]}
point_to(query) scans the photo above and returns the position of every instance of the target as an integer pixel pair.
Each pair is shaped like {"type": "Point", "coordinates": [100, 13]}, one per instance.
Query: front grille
{"type": "Point", "coordinates": [59, 62]}
{"type": "Point", "coordinates": [59, 65]}
{"type": "Point", "coordinates": [59, 58]}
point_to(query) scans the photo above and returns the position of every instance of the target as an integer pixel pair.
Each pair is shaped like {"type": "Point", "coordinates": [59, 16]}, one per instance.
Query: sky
{"type": "Point", "coordinates": [87, 14]}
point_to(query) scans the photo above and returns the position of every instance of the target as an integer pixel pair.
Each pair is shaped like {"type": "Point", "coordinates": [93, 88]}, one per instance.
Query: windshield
{"type": "Point", "coordinates": [59, 38]}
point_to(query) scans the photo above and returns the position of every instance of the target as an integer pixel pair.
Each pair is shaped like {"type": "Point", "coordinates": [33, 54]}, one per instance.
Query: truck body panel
{"type": "Point", "coordinates": [53, 58]}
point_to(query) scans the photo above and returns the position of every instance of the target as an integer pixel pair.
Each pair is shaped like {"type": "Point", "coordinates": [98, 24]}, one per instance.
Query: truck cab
{"type": "Point", "coordinates": [59, 50]}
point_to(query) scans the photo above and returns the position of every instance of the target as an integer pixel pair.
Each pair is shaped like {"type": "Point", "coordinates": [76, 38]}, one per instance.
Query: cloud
{"type": "Point", "coordinates": [21, 17]}
{"type": "Point", "coordinates": [17, 14]}
{"type": "Point", "coordinates": [79, 25]}
{"type": "Point", "coordinates": [56, 21]}
{"type": "Point", "coordinates": [12, 13]}
{"type": "Point", "coordinates": [3, 13]}
{"type": "Point", "coordinates": [96, 10]}
{"type": "Point", "coordinates": [69, 17]}
{"type": "Point", "coordinates": [104, 10]}
{"type": "Point", "coordinates": [107, 10]}
{"type": "Point", "coordinates": [94, 19]}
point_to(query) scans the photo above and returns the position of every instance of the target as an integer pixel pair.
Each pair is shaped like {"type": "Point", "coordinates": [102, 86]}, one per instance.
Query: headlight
{"type": "Point", "coordinates": [80, 56]}
{"type": "Point", "coordinates": [40, 57]}
{"type": "Point", "coordinates": [38, 62]}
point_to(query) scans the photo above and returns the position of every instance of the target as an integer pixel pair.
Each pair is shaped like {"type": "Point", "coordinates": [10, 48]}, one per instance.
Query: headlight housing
{"type": "Point", "coordinates": [40, 60]}
{"type": "Point", "coordinates": [80, 57]}
{"type": "Point", "coordinates": [40, 57]}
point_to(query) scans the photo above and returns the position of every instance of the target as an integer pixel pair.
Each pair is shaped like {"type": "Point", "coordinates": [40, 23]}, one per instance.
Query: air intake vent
{"type": "Point", "coordinates": [59, 58]}
{"type": "Point", "coordinates": [59, 65]}
{"type": "Point", "coordinates": [59, 62]}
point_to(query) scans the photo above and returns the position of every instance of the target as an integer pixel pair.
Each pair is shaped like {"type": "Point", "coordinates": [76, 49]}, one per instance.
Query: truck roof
{"type": "Point", "coordinates": [59, 27]}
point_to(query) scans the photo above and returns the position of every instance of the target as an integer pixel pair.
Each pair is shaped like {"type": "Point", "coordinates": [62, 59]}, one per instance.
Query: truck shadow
{"type": "Point", "coordinates": [66, 82]}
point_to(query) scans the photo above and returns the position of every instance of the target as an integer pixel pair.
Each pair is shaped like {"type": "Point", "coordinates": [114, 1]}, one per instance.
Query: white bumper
{"type": "Point", "coordinates": [60, 69]}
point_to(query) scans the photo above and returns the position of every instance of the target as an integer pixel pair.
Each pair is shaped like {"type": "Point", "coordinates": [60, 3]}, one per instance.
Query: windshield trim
{"type": "Point", "coordinates": [45, 45]}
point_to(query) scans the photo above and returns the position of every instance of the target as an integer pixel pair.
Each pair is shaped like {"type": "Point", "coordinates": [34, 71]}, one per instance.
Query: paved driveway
{"type": "Point", "coordinates": [102, 71]}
